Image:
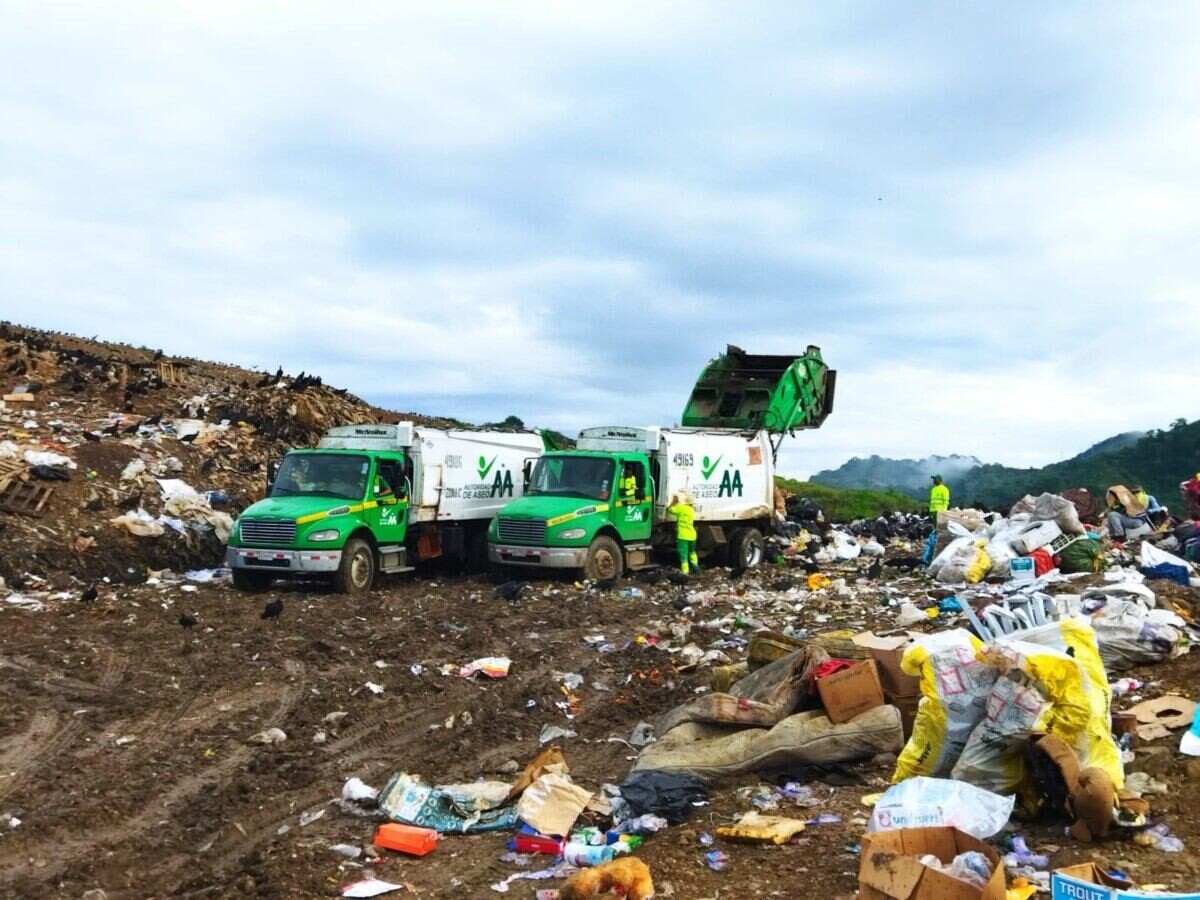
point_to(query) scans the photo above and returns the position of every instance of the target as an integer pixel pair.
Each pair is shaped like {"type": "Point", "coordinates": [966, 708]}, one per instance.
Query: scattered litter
{"type": "Point", "coordinates": [347, 850]}
{"type": "Point", "coordinates": [555, 733]}
{"type": "Point", "coordinates": [491, 666]}
{"type": "Point", "coordinates": [307, 818]}
{"type": "Point", "coordinates": [754, 827]}
{"type": "Point", "coordinates": [270, 736]}
{"type": "Point", "coordinates": [716, 859]}
{"type": "Point", "coordinates": [370, 887]}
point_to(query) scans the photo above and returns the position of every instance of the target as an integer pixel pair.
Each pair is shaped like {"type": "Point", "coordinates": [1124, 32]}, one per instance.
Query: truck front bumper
{"type": "Point", "coordinates": [282, 562]}
{"type": "Point", "coordinates": [544, 557]}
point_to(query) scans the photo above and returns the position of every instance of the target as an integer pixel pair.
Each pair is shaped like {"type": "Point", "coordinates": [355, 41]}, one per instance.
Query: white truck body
{"type": "Point", "coordinates": [729, 475]}
{"type": "Point", "coordinates": [457, 475]}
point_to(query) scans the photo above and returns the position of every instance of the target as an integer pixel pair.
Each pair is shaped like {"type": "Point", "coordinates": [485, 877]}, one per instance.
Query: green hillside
{"type": "Point", "coordinates": [1159, 462]}
{"type": "Point", "coordinates": [842, 505]}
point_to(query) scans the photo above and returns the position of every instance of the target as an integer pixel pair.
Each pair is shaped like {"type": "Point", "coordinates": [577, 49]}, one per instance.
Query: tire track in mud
{"type": "Point", "coordinates": [370, 750]}
{"type": "Point", "coordinates": [48, 735]}
{"type": "Point", "coordinates": [65, 849]}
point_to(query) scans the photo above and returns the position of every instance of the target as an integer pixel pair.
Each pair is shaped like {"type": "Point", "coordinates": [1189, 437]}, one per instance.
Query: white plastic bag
{"type": "Point", "coordinates": [1150, 556]}
{"type": "Point", "coordinates": [931, 802]}
{"type": "Point", "coordinates": [1050, 508]}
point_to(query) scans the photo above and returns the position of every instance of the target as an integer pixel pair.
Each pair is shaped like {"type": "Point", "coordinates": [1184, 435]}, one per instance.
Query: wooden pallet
{"type": "Point", "coordinates": [9, 470]}
{"type": "Point", "coordinates": [25, 498]}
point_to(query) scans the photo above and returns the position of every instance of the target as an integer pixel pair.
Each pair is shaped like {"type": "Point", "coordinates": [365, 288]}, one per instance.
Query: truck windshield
{"type": "Point", "coordinates": [322, 475]}
{"type": "Point", "coordinates": [573, 476]}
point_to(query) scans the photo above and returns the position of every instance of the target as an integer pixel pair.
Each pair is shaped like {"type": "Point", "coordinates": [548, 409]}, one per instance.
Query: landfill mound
{"type": "Point", "coordinates": [87, 428]}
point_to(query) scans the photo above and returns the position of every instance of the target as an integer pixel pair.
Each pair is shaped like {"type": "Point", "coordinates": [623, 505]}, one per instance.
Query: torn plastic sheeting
{"type": "Point", "coordinates": [135, 468]}
{"type": "Point", "coordinates": [562, 870]}
{"type": "Point", "coordinates": [140, 523]}
{"type": "Point", "coordinates": [370, 887]}
{"type": "Point", "coordinates": [491, 666]}
{"type": "Point", "coordinates": [555, 733]}
{"type": "Point", "coordinates": [46, 458]}
{"type": "Point", "coordinates": [931, 802]}
{"type": "Point", "coordinates": [1150, 556]}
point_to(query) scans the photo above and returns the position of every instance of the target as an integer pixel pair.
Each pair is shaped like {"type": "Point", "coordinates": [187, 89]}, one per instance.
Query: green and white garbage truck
{"type": "Point", "coordinates": [577, 512]}
{"type": "Point", "coordinates": [379, 498]}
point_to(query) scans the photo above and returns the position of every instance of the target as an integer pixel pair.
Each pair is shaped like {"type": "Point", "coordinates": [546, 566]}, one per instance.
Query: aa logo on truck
{"type": "Point", "coordinates": [730, 485]}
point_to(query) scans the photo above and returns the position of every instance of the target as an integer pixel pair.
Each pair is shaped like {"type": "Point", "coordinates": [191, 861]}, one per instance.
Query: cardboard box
{"type": "Point", "coordinates": [908, 712]}
{"type": "Point", "coordinates": [889, 868]}
{"type": "Point", "coordinates": [850, 692]}
{"type": "Point", "coordinates": [887, 653]}
{"type": "Point", "coordinates": [1089, 881]}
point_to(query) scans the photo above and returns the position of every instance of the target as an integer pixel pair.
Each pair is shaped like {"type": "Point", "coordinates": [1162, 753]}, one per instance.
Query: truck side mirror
{"type": "Point", "coordinates": [527, 472]}
{"type": "Point", "coordinates": [272, 471]}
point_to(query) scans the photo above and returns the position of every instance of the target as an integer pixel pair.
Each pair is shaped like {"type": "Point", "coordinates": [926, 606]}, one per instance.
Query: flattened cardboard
{"type": "Point", "coordinates": [850, 692]}
{"type": "Point", "coordinates": [889, 868]}
{"type": "Point", "coordinates": [1169, 711]}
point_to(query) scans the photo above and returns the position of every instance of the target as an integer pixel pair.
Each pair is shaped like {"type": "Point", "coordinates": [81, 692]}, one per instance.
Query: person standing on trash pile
{"type": "Point", "coordinates": [939, 497]}
{"type": "Point", "coordinates": [685, 531]}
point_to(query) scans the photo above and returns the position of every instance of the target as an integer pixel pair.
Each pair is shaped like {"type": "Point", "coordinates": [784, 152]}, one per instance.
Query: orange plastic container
{"type": "Point", "coordinates": [406, 838]}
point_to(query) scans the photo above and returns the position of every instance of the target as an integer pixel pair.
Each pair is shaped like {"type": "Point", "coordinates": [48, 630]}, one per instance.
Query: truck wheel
{"type": "Point", "coordinates": [356, 571]}
{"type": "Point", "coordinates": [245, 580]}
{"type": "Point", "coordinates": [603, 559]}
{"type": "Point", "coordinates": [746, 548]}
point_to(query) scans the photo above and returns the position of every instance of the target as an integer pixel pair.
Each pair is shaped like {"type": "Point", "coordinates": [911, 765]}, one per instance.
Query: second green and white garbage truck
{"type": "Point", "coordinates": [601, 508]}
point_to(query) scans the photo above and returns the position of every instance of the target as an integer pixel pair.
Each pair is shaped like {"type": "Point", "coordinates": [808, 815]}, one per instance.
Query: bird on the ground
{"type": "Point", "coordinates": [784, 584]}
{"type": "Point", "coordinates": [133, 429]}
{"type": "Point", "coordinates": [111, 430]}
{"type": "Point", "coordinates": [273, 610]}
{"type": "Point", "coordinates": [811, 568]}
{"type": "Point", "coordinates": [606, 584]}
{"type": "Point", "coordinates": [263, 382]}
{"type": "Point", "coordinates": [152, 420]}
{"type": "Point", "coordinates": [650, 577]}
{"type": "Point", "coordinates": [89, 594]}
{"type": "Point", "coordinates": [736, 573]}
{"type": "Point", "coordinates": [187, 620]}
{"type": "Point", "coordinates": [188, 438]}
{"type": "Point", "coordinates": [677, 578]}
{"type": "Point", "coordinates": [510, 590]}
{"type": "Point", "coordinates": [903, 562]}
{"type": "Point", "coordinates": [91, 436]}
{"type": "Point", "coordinates": [875, 569]}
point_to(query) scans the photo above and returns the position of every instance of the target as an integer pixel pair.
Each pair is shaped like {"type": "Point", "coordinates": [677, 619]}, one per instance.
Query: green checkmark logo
{"type": "Point", "coordinates": [485, 466]}
{"type": "Point", "coordinates": [708, 468]}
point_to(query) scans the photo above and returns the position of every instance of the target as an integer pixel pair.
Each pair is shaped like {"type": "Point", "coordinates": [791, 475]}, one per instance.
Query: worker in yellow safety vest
{"type": "Point", "coordinates": [628, 485]}
{"type": "Point", "coordinates": [685, 532]}
{"type": "Point", "coordinates": [939, 497]}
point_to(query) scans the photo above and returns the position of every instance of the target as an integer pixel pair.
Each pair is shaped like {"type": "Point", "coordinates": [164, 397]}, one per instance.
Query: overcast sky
{"type": "Point", "coordinates": [986, 215]}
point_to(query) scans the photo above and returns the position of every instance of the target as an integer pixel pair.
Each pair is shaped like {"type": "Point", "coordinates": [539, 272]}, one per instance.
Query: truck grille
{"type": "Point", "coordinates": [525, 531]}
{"type": "Point", "coordinates": [268, 531]}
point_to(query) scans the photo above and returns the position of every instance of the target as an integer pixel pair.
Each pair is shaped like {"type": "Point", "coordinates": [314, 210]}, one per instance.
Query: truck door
{"type": "Point", "coordinates": [388, 519]}
{"type": "Point", "coordinates": [634, 512]}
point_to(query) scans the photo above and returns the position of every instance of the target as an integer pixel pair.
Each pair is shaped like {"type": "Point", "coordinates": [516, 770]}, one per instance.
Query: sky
{"type": "Point", "coordinates": [986, 215]}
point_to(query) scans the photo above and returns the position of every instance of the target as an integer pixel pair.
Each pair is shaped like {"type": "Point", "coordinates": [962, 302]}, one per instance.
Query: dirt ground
{"type": "Point", "coordinates": [124, 745]}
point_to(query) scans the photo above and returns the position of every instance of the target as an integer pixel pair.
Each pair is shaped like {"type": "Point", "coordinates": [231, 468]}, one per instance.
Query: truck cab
{"type": "Point", "coordinates": [581, 510]}
{"type": "Point", "coordinates": [602, 508]}
{"type": "Point", "coordinates": [376, 499]}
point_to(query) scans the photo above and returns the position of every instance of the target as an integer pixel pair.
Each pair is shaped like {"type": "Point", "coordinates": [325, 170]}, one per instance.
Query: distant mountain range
{"type": "Point", "coordinates": [1158, 460]}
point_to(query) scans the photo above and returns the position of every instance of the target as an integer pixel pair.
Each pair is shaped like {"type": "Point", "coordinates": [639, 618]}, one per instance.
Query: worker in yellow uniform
{"type": "Point", "coordinates": [939, 497]}
{"type": "Point", "coordinates": [628, 485]}
{"type": "Point", "coordinates": [685, 532]}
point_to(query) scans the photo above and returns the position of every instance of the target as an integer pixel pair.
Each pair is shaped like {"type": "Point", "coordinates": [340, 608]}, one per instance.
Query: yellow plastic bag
{"type": "Point", "coordinates": [980, 566]}
{"type": "Point", "coordinates": [1076, 686]}
{"type": "Point", "coordinates": [955, 685]}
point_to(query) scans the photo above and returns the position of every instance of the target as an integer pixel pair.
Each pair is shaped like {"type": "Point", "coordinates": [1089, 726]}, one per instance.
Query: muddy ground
{"type": "Point", "coordinates": [124, 751]}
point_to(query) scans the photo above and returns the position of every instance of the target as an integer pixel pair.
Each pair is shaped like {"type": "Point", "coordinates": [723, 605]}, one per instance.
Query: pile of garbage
{"type": "Point", "coordinates": [115, 459]}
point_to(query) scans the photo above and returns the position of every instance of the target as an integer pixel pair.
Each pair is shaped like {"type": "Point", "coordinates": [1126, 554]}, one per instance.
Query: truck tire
{"type": "Point", "coordinates": [245, 580]}
{"type": "Point", "coordinates": [604, 559]}
{"type": "Point", "coordinates": [747, 547]}
{"type": "Point", "coordinates": [356, 572]}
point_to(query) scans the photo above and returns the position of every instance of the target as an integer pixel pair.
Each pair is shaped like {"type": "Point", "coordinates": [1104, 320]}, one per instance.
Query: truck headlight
{"type": "Point", "coordinates": [572, 534]}
{"type": "Point", "coordinates": [329, 534]}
